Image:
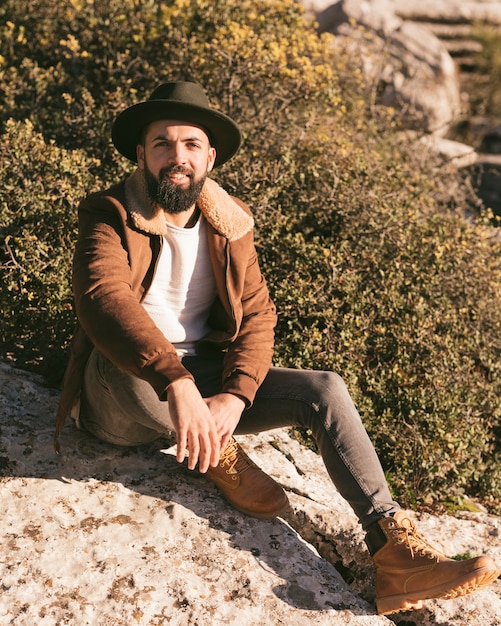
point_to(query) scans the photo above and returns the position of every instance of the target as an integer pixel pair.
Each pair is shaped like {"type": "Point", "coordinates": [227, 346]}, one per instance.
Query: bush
{"type": "Point", "coordinates": [375, 271]}
{"type": "Point", "coordinates": [397, 294]}
{"type": "Point", "coordinates": [40, 185]}
{"type": "Point", "coordinates": [487, 98]}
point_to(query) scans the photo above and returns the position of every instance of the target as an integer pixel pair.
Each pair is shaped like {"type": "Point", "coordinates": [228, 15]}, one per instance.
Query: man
{"type": "Point", "coordinates": [176, 335]}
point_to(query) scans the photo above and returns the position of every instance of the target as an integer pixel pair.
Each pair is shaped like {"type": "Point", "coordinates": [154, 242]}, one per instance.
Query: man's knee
{"type": "Point", "coordinates": [329, 384]}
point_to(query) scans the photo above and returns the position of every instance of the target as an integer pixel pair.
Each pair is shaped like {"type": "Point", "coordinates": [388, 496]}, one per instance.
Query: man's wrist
{"type": "Point", "coordinates": [241, 399]}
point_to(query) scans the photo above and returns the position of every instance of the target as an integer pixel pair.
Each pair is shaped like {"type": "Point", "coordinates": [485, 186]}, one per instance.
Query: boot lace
{"type": "Point", "coordinates": [405, 532]}
{"type": "Point", "coordinates": [234, 459]}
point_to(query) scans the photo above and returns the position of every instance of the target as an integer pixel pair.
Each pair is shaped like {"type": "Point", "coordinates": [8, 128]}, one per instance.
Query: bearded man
{"type": "Point", "coordinates": [176, 331]}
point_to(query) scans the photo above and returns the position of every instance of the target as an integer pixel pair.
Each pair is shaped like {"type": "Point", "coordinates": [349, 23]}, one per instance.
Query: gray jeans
{"type": "Point", "coordinates": [124, 410]}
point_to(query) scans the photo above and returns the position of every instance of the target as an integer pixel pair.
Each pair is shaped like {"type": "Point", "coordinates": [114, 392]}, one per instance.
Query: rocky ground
{"type": "Point", "coordinates": [107, 536]}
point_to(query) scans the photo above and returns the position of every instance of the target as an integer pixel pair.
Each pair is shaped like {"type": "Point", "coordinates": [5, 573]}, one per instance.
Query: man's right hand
{"type": "Point", "coordinates": [195, 427]}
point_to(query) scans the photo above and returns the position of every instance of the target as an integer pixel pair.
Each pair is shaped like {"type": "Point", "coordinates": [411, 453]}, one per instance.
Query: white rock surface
{"type": "Point", "coordinates": [108, 536]}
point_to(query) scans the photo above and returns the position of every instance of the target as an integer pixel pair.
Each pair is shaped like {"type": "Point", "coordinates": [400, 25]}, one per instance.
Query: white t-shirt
{"type": "Point", "coordinates": [183, 288]}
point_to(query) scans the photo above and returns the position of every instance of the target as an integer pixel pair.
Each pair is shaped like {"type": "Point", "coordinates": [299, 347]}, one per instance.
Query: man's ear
{"type": "Point", "coordinates": [211, 159]}
{"type": "Point", "coordinates": [140, 156]}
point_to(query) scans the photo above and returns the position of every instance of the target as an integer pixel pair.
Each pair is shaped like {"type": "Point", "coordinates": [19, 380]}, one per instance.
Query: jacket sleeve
{"type": "Point", "coordinates": [249, 356]}
{"type": "Point", "coordinates": [108, 300]}
{"type": "Point", "coordinates": [243, 318]}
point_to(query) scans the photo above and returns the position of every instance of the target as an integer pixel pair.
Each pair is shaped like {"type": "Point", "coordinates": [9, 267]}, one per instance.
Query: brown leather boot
{"type": "Point", "coordinates": [246, 486]}
{"type": "Point", "coordinates": [409, 570]}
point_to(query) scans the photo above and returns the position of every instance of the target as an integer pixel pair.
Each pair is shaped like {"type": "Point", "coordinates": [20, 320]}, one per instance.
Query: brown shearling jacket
{"type": "Point", "coordinates": [119, 242]}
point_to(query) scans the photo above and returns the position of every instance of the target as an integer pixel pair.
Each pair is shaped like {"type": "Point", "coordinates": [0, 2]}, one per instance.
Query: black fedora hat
{"type": "Point", "coordinates": [183, 101]}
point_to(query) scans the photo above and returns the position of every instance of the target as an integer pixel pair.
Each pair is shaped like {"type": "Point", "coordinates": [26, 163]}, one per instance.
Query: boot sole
{"type": "Point", "coordinates": [413, 600]}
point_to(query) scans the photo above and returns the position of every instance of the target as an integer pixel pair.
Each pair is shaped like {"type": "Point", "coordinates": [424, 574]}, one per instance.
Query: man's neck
{"type": "Point", "coordinates": [186, 219]}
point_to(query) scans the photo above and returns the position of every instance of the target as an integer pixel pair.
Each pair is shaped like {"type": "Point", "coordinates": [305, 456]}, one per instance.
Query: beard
{"type": "Point", "coordinates": [170, 197]}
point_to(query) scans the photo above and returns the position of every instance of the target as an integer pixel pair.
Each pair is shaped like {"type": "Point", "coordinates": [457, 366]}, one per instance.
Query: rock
{"type": "Point", "coordinates": [453, 152]}
{"type": "Point", "coordinates": [119, 536]}
{"type": "Point", "coordinates": [453, 22]}
{"type": "Point", "coordinates": [412, 69]}
{"type": "Point", "coordinates": [376, 15]}
{"type": "Point", "coordinates": [453, 11]}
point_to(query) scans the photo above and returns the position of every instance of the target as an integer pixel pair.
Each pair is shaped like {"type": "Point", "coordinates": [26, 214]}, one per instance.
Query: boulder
{"type": "Point", "coordinates": [452, 152]}
{"type": "Point", "coordinates": [410, 67]}
{"type": "Point", "coordinates": [121, 536]}
{"type": "Point", "coordinates": [452, 11]}
{"type": "Point", "coordinates": [453, 22]}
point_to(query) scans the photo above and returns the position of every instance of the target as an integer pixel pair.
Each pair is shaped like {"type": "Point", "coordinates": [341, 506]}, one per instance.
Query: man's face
{"type": "Point", "coordinates": [175, 158]}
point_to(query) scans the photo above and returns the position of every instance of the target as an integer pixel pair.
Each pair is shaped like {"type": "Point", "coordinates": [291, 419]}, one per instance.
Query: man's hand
{"type": "Point", "coordinates": [226, 410]}
{"type": "Point", "coordinates": [196, 428]}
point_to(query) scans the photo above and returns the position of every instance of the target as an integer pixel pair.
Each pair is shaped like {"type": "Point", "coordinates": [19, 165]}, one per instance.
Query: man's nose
{"type": "Point", "coordinates": [178, 153]}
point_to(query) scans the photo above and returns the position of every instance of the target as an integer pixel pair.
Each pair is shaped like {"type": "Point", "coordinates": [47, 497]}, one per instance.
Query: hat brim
{"type": "Point", "coordinates": [224, 135]}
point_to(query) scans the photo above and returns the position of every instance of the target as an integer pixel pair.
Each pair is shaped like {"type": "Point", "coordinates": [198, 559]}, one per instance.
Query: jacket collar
{"type": "Point", "coordinates": [217, 206]}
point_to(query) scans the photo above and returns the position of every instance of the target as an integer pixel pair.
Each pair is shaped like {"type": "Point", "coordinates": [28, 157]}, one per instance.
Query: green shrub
{"type": "Point", "coordinates": [486, 99]}
{"type": "Point", "coordinates": [40, 185]}
{"type": "Point", "coordinates": [361, 232]}
{"type": "Point", "coordinates": [396, 293]}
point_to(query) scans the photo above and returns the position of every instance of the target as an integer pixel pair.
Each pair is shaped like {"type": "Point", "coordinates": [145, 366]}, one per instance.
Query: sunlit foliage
{"type": "Point", "coordinates": [362, 232]}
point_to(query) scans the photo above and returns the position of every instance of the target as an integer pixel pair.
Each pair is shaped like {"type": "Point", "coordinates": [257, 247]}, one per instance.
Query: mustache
{"type": "Point", "coordinates": [175, 169]}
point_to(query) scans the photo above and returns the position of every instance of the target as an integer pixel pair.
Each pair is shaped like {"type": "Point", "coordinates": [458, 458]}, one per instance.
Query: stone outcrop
{"type": "Point", "coordinates": [105, 535]}
{"type": "Point", "coordinates": [453, 11]}
{"type": "Point", "coordinates": [410, 67]}
{"type": "Point", "coordinates": [418, 58]}
{"type": "Point", "coordinates": [453, 22]}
